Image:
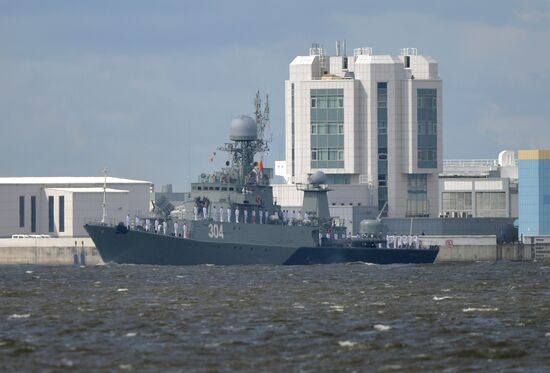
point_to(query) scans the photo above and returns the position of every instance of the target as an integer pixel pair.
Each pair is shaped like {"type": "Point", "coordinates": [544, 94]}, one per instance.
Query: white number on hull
{"type": "Point", "coordinates": [215, 231]}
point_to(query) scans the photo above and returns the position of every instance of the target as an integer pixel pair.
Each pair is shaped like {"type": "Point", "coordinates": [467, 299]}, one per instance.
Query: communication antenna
{"type": "Point", "coordinates": [262, 121]}
{"type": "Point", "coordinates": [104, 204]}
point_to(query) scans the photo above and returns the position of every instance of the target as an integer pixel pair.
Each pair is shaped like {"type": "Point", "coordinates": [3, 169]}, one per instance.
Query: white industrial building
{"type": "Point", "coordinates": [60, 206]}
{"type": "Point", "coordinates": [479, 188]}
{"type": "Point", "coordinates": [373, 122]}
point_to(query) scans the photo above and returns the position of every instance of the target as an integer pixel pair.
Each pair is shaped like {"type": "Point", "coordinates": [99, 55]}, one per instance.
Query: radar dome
{"type": "Point", "coordinates": [318, 177]}
{"type": "Point", "coordinates": [243, 128]}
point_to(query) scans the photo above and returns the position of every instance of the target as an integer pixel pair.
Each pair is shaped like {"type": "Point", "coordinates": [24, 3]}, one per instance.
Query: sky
{"type": "Point", "coordinates": [148, 88]}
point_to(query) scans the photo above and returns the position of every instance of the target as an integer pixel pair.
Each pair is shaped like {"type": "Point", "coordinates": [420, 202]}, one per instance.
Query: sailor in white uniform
{"type": "Point", "coordinates": [245, 216]}
{"type": "Point", "coordinates": [221, 214]}
{"type": "Point", "coordinates": [147, 225]}
{"type": "Point", "coordinates": [176, 229]}
{"type": "Point", "coordinates": [204, 214]}
{"type": "Point", "coordinates": [196, 212]}
{"type": "Point", "coordinates": [128, 221]}
{"type": "Point", "coordinates": [228, 215]}
{"type": "Point", "coordinates": [237, 215]}
{"type": "Point", "coordinates": [164, 226]}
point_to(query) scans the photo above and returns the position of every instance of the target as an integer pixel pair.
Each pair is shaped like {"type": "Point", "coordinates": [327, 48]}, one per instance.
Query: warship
{"type": "Point", "coordinates": [231, 218]}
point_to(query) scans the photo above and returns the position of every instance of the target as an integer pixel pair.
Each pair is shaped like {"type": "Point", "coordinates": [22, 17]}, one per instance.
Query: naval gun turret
{"type": "Point", "coordinates": [374, 227]}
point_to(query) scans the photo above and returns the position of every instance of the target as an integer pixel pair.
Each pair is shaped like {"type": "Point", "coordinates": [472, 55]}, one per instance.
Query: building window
{"type": "Point", "coordinates": [338, 179]}
{"type": "Point", "coordinates": [457, 202]}
{"type": "Point", "coordinates": [61, 213]}
{"type": "Point", "coordinates": [292, 125]}
{"type": "Point", "coordinates": [382, 124]}
{"type": "Point", "coordinates": [427, 127]}
{"type": "Point", "coordinates": [50, 214]}
{"type": "Point", "coordinates": [417, 196]}
{"type": "Point", "coordinates": [21, 211]}
{"type": "Point", "coordinates": [33, 214]}
{"type": "Point", "coordinates": [490, 200]}
{"type": "Point", "coordinates": [327, 128]}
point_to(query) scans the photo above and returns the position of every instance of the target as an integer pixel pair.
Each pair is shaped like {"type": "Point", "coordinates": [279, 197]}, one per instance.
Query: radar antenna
{"type": "Point", "coordinates": [247, 144]}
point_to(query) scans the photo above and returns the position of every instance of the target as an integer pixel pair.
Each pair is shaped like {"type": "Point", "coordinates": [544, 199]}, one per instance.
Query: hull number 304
{"type": "Point", "coordinates": [215, 231]}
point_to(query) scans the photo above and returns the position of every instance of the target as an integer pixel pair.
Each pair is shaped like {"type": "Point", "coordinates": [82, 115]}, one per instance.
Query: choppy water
{"type": "Point", "coordinates": [480, 316]}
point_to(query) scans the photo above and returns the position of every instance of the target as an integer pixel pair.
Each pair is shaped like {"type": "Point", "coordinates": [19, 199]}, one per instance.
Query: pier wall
{"type": "Point", "coordinates": [475, 248]}
{"type": "Point", "coordinates": [62, 251]}
{"type": "Point", "coordinates": [49, 251]}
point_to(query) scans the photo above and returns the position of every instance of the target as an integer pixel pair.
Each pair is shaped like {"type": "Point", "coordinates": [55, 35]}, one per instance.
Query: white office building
{"type": "Point", "coordinates": [60, 206]}
{"type": "Point", "coordinates": [372, 122]}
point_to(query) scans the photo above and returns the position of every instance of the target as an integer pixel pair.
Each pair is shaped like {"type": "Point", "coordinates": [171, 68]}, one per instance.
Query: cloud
{"type": "Point", "coordinates": [515, 131]}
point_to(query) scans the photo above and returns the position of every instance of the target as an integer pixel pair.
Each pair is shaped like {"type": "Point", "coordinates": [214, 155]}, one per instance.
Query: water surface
{"type": "Point", "coordinates": [478, 316]}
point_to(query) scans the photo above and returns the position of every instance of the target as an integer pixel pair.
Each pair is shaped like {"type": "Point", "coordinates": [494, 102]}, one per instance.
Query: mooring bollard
{"type": "Point", "coordinates": [83, 255]}
{"type": "Point", "coordinates": [76, 259]}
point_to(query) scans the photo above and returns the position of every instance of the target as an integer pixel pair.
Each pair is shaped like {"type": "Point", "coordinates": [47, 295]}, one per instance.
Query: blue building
{"type": "Point", "coordinates": [534, 193]}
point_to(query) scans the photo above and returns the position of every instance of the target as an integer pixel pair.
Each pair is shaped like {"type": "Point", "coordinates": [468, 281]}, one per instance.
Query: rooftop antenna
{"type": "Point", "coordinates": [104, 204]}
{"type": "Point", "coordinates": [341, 48]}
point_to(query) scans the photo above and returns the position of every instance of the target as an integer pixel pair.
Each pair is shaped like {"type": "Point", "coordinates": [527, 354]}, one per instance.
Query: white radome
{"type": "Point", "coordinates": [318, 177]}
{"type": "Point", "coordinates": [243, 128]}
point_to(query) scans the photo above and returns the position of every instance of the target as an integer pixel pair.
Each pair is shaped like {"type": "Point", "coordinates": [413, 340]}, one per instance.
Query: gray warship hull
{"type": "Point", "coordinates": [140, 247]}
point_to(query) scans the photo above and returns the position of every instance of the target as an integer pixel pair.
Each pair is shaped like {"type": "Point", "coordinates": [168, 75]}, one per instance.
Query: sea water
{"type": "Point", "coordinates": [358, 317]}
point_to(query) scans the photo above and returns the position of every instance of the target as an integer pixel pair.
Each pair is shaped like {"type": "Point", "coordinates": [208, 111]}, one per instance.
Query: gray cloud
{"type": "Point", "coordinates": [149, 90]}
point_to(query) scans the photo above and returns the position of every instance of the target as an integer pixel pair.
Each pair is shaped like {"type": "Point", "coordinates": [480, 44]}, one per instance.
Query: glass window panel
{"type": "Point", "coordinates": [332, 115]}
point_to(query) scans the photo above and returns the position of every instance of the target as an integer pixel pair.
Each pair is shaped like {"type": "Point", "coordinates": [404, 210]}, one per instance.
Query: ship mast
{"type": "Point", "coordinates": [243, 149]}
{"type": "Point", "coordinates": [104, 204]}
{"type": "Point", "coordinates": [262, 121]}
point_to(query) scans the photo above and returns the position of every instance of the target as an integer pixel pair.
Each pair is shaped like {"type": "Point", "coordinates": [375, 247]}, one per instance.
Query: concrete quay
{"type": "Point", "coordinates": [62, 251]}
{"type": "Point", "coordinates": [476, 248]}
{"type": "Point", "coordinates": [49, 251]}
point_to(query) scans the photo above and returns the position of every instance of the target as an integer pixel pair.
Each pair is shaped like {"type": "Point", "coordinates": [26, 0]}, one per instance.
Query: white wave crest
{"type": "Point", "coordinates": [442, 298]}
{"type": "Point", "coordinates": [122, 289]}
{"type": "Point", "coordinates": [382, 328]}
{"type": "Point", "coordinates": [347, 343]}
{"type": "Point", "coordinates": [479, 309]}
{"type": "Point", "coordinates": [16, 316]}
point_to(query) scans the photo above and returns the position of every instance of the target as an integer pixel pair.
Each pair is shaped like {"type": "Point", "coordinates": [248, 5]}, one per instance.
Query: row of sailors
{"type": "Point", "coordinates": [402, 241]}
{"type": "Point", "coordinates": [158, 227]}
{"type": "Point", "coordinates": [260, 217]}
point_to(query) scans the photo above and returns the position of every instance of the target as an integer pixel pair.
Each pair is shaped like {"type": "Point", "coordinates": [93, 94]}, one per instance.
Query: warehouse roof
{"type": "Point", "coordinates": [89, 190]}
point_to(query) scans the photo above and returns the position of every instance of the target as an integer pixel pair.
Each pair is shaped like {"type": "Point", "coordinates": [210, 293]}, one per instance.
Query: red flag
{"type": "Point", "coordinates": [261, 165]}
